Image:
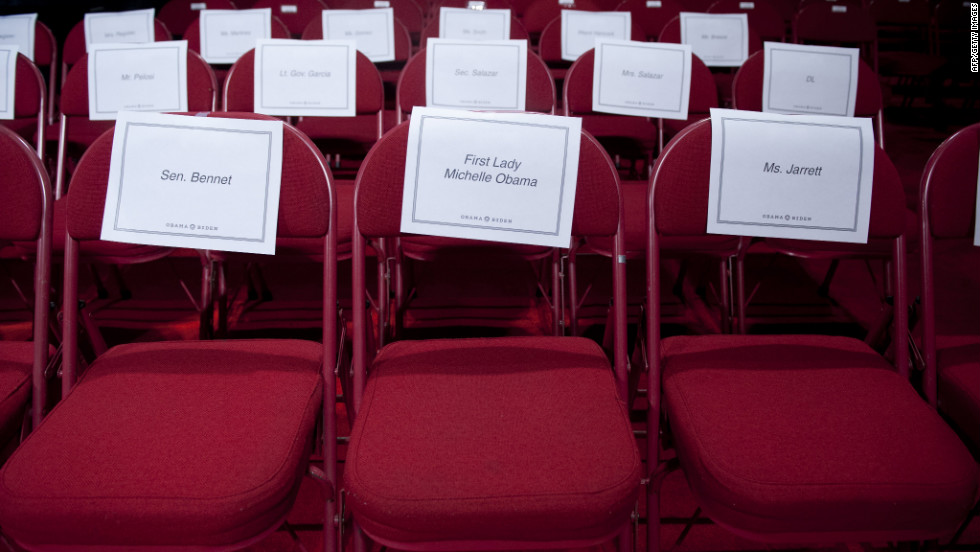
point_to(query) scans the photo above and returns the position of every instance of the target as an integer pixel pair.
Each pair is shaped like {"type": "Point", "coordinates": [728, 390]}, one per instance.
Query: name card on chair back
{"type": "Point", "coordinates": [8, 80]}
{"type": "Point", "coordinates": [306, 77]}
{"type": "Point", "coordinates": [719, 39]}
{"type": "Point", "coordinates": [227, 34]}
{"type": "Point", "coordinates": [581, 29]}
{"type": "Point", "coordinates": [372, 29]}
{"type": "Point", "coordinates": [195, 182]}
{"type": "Point", "coordinates": [790, 176]}
{"type": "Point", "coordinates": [128, 26]}
{"type": "Point", "coordinates": [136, 77]}
{"type": "Point", "coordinates": [463, 74]}
{"type": "Point", "coordinates": [18, 30]}
{"type": "Point", "coordinates": [821, 80]}
{"type": "Point", "coordinates": [473, 24]}
{"type": "Point", "coordinates": [645, 79]}
{"type": "Point", "coordinates": [505, 177]}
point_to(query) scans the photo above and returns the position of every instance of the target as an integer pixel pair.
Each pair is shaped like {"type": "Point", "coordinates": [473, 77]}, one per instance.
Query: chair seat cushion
{"type": "Point", "coordinates": [813, 438]}
{"type": "Point", "coordinates": [959, 388]}
{"type": "Point", "coordinates": [507, 439]}
{"type": "Point", "coordinates": [168, 444]}
{"type": "Point", "coordinates": [16, 360]}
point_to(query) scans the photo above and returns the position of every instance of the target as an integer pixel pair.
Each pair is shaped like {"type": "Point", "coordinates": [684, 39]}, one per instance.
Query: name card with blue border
{"type": "Point", "coordinates": [306, 77]}
{"type": "Point", "coordinates": [372, 29]}
{"type": "Point", "coordinates": [804, 177]}
{"type": "Point", "coordinates": [505, 177]}
{"type": "Point", "coordinates": [474, 24]}
{"type": "Point", "coordinates": [719, 39]}
{"type": "Point", "coordinates": [801, 79]}
{"type": "Point", "coordinates": [227, 34]}
{"type": "Point", "coordinates": [8, 80]}
{"type": "Point", "coordinates": [195, 182]}
{"type": "Point", "coordinates": [19, 30]}
{"type": "Point", "coordinates": [134, 26]}
{"type": "Point", "coordinates": [645, 79]}
{"type": "Point", "coordinates": [465, 74]}
{"type": "Point", "coordinates": [137, 77]}
{"type": "Point", "coordinates": [581, 29]}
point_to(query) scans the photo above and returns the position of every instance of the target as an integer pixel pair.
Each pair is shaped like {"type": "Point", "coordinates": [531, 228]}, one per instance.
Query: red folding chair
{"type": "Point", "coordinates": [794, 438]}
{"type": "Point", "coordinates": [177, 15]}
{"type": "Point", "coordinates": [539, 13]}
{"type": "Point", "coordinates": [25, 194]}
{"type": "Point", "coordinates": [295, 14]}
{"type": "Point", "coordinates": [482, 443]}
{"type": "Point", "coordinates": [951, 347]}
{"type": "Point", "coordinates": [74, 47]}
{"type": "Point", "coordinates": [30, 104]}
{"type": "Point", "coordinates": [226, 428]}
{"type": "Point", "coordinates": [649, 16]}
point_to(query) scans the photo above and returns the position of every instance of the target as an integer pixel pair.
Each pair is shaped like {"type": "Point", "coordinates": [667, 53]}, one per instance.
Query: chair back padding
{"type": "Point", "coordinates": [74, 47]}
{"type": "Point", "coordinates": [683, 171]}
{"type": "Point", "coordinates": [949, 187]}
{"type": "Point", "coordinates": [23, 205]}
{"type": "Point", "coordinates": [304, 199]}
{"type": "Point", "coordinates": [818, 22]}
{"type": "Point", "coordinates": [378, 200]}
{"type": "Point", "coordinates": [239, 92]}
{"type": "Point", "coordinates": [29, 88]}
{"type": "Point", "coordinates": [202, 87]}
{"type": "Point", "coordinates": [177, 15]}
{"type": "Point", "coordinates": [539, 97]}
{"type": "Point", "coordinates": [540, 12]}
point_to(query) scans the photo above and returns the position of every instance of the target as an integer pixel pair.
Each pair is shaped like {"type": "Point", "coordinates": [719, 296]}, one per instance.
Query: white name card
{"type": "Point", "coordinates": [18, 30]}
{"type": "Point", "coordinates": [227, 34]}
{"type": "Point", "coordinates": [467, 24]}
{"type": "Point", "coordinates": [136, 77]}
{"type": "Point", "coordinates": [476, 5]}
{"type": "Point", "coordinates": [746, 5]}
{"type": "Point", "coordinates": [838, 9]}
{"type": "Point", "coordinates": [719, 39]}
{"type": "Point", "coordinates": [134, 26]}
{"type": "Point", "coordinates": [654, 3]}
{"type": "Point", "coordinates": [790, 176]}
{"type": "Point", "coordinates": [976, 224]}
{"type": "Point", "coordinates": [373, 30]}
{"type": "Point", "coordinates": [288, 8]}
{"type": "Point", "coordinates": [195, 182]}
{"type": "Point", "coordinates": [306, 77]}
{"type": "Point", "coordinates": [8, 79]}
{"type": "Point", "coordinates": [382, 4]}
{"type": "Point", "coordinates": [506, 177]}
{"type": "Point", "coordinates": [821, 80]}
{"type": "Point", "coordinates": [580, 30]}
{"type": "Point", "coordinates": [462, 74]}
{"type": "Point", "coordinates": [198, 6]}
{"type": "Point", "coordinates": [646, 79]}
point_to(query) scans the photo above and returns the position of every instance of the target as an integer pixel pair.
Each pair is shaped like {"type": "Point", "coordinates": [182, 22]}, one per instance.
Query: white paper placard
{"type": "Point", "coordinates": [306, 77]}
{"type": "Point", "coordinates": [487, 75]}
{"type": "Point", "coordinates": [976, 226]}
{"type": "Point", "coordinates": [198, 6]}
{"type": "Point", "coordinates": [719, 39]}
{"type": "Point", "coordinates": [580, 30]}
{"type": "Point", "coordinates": [372, 29]}
{"type": "Point", "coordinates": [506, 177]}
{"type": "Point", "coordinates": [468, 24]}
{"type": "Point", "coordinates": [135, 26]}
{"type": "Point", "coordinates": [646, 79]}
{"type": "Point", "coordinates": [136, 77]}
{"type": "Point", "coordinates": [195, 182]}
{"type": "Point", "coordinates": [19, 30]}
{"type": "Point", "coordinates": [476, 5]}
{"type": "Point", "coordinates": [790, 176]}
{"type": "Point", "coordinates": [288, 8]}
{"type": "Point", "coordinates": [227, 34]}
{"type": "Point", "coordinates": [821, 80]}
{"type": "Point", "coordinates": [8, 79]}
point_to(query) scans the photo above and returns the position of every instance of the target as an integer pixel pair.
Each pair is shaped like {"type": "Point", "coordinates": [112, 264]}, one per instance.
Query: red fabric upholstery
{"type": "Point", "coordinates": [959, 388]}
{"type": "Point", "coordinates": [297, 15]}
{"type": "Point", "coordinates": [231, 425]}
{"type": "Point", "coordinates": [650, 19]}
{"type": "Point", "coordinates": [74, 47]}
{"type": "Point", "coordinates": [177, 15]}
{"type": "Point", "coordinates": [953, 188]}
{"type": "Point", "coordinates": [764, 19]}
{"type": "Point", "coordinates": [22, 205]}
{"type": "Point", "coordinates": [16, 361]}
{"type": "Point", "coordinates": [498, 427]}
{"type": "Point", "coordinates": [809, 436]}
{"type": "Point", "coordinates": [408, 12]}
{"type": "Point", "coordinates": [818, 22]}
{"type": "Point", "coordinates": [29, 88]}
{"type": "Point", "coordinates": [45, 46]}
{"type": "Point", "coordinates": [539, 13]}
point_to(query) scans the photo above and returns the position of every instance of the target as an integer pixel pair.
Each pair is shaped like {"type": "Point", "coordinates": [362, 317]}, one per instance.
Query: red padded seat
{"type": "Point", "coordinates": [418, 411]}
{"type": "Point", "coordinates": [253, 405]}
{"type": "Point", "coordinates": [959, 387]}
{"type": "Point", "coordinates": [16, 360]}
{"type": "Point", "coordinates": [739, 406]}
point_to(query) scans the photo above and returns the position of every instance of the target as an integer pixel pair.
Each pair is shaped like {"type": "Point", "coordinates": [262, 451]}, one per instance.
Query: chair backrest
{"type": "Point", "coordinates": [30, 103]}
{"type": "Point", "coordinates": [295, 14]}
{"type": "Point", "coordinates": [177, 15]}
{"type": "Point", "coordinates": [517, 31]}
{"type": "Point", "coordinates": [747, 90]}
{"type": "Point", "coordinates": [540, 12]}
{"type": "Point", "coordinates": [549, 43]}
{"type": "Point", "coordinates": [239, 89]}
{"type": "Point", "coordinates": [410, 92]}
{"type": "Point", "coordinates": [947, 195]}
{"type": "Point", "coordinates": [650, 17]}
{"type": "Point", "coordinates": [843, 24]}
{"type": "Point", "coordinates": [74, 47]}
{"type": "Point", "coordinates": [27, 207]}
{"type": "Point", "coordinates": [193, 33]}
{"type": "Point", "coordinates": [767, 22]}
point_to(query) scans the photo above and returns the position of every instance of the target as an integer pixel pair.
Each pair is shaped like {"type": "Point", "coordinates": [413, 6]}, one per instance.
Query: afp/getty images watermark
{"type": "Point", "coordinates": [974, 39]}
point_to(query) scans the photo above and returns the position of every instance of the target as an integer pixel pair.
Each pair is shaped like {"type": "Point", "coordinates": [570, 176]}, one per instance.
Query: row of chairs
{"type": "Point", "coordinates": [483, 442]}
